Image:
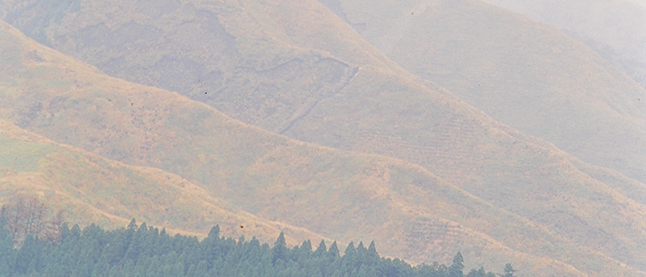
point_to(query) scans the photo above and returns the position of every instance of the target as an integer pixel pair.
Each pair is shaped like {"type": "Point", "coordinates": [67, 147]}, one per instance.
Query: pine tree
{"type": "Point", "coordinates": [152, 238]}
{"type": "Point", "coordinates": [155, 268]}
{"type": "Point", "coordinates": [303, 252]}
{"type": "Point", "coordinates": [350, 250]}
{"type": "Point", "coordinates": [113, 252]}
{"type": "Point", "coordinates": [132, 225]}
{"type": "Point", "coordinates": [509, 271]}
{"type": "Point", "coordinates": [179, 268]}
{"type": "Point", "coordinates": [372, 250]}
{"type": "Point", "coordinates": [477, 273]}
{"type": "Point", "coordinates": [26, 254]}
{"type": "Point", "coordinates": [456, 268]}
{"type": "Point", "coordinates": [7, 254]}
{"type": "Point", "coordinates": [210, 246]}
{"type": "Point", "coordinates": [65, 232]}
{"type": "Point", "coordinates": [334, 251]}
{"type": "Point", "coordinates": [75, 232]}
{"type": "Point", "coordinates": [141, 265]}
{"type": "Point", "coordinates": [163, 245]}
{"type": "Point", "coordinates": [215, 232]}
{"type": "Point", "coordinates": [320, 250]}
{"type": "Point", "coordinates": [202, 269]}
{"type": "Point", "coordinates": [349, 259]}
{"type": "Point", "coordinates": [279, 252]}
{"type": "Point", "coordinates": [101, 268]}
{"type": "Point", "coordinates": [137, 243]}
{"type": "Point", "coordinates": [128, 267]}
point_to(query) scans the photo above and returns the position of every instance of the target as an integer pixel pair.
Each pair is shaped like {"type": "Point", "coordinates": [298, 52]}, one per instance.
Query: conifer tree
{"type": "Point", "coordinates": [350, 250]}
{"type": "Point", "coordinates": [137, 242]}
{"type": "Point", "coordinates": [320, 250]}
{"type": "Point", "coordinates": [163, 244]}
{"type": "Point", "coordinates": [480, 273]}
{"type": "Point", "coordinates": [509, 271]}
{"type": "Point", "coordinates": [65, 232]}
{"type": "Point", "coordinates": [372, 250]}
{"type": "Point", "coordinates": [215, 232]}
{"type": "Point", "coordinates": [279, 252]}
{"type": "Point", "coordinates": [456, 268]}
{"type": "Point", "coordinates": [334, 251]}
{"type": "Point", "coordinates": [306, 246]}
{"type": "Point", "coordinates": [75, 232]}
{"type": "Point", "coordinates": [132, 225]}
{"type": "Point", "coordinates": [7, 258]}
{"type": "Point", "coordinates": [26, 254]}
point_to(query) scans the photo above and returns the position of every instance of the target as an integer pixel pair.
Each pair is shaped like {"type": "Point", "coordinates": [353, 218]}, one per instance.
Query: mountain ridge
{"type": "Point", "coordinates": [89, 196]}
{"type": "Point", "coordinates": [72, 132]}
{"type": "Point", "coordinates": [450, 133]}
{"type": "Point", "coordinates": [522, 73]}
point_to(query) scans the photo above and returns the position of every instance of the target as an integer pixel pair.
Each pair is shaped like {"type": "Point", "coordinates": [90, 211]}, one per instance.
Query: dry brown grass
{"type": "Point", "coordinates": [344, 195]}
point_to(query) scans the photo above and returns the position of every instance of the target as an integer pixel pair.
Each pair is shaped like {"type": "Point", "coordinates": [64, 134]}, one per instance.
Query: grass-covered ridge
{"type": "Point", "coordinates": [91, 189]}
{"type": "Point", "coordinates": [522, 73]}
{"type": "Point", "coordinates": [402, 205]}
{"type": "Point", "coordinates": [263, 63]}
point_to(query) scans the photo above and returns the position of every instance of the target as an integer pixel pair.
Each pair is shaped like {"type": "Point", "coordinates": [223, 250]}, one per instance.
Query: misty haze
{"type": "Point", "coordinates": [474, 138]}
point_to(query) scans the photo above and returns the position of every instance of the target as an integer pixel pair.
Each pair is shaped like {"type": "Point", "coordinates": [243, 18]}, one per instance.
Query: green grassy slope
{"type": "Point", "coordinates": [522, 73]}
{"type": "Point", "coordinates": [343, 195]}
{"type": "Point", "coordinates": [92, 189]}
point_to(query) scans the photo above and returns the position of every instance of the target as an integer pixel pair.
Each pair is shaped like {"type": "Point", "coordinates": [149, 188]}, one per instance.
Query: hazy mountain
{"type": "Point", "coordinates": [617, 23]}
{"type": "Point", "coordinates": [615, 29]}
{"type": "Point", "coordinates": [527, 75]}
{"type": "Point", "coordinates": [347, 196]}
{"type": "Point", "coordinates": [299, 70]}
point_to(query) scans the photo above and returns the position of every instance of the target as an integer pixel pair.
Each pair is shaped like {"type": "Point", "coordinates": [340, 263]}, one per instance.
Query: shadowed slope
{"type": "Point", "coordinates": [347, 196]}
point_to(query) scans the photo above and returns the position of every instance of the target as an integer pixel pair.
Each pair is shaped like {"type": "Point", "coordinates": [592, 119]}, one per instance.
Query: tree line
{"type": "Point", "coordinates": [148, 251]}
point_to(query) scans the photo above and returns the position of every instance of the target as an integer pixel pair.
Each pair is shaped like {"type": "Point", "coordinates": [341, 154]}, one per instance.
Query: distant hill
{"type": "Point", "coordinates": [524, 74]}
{"type": "Point", "coordinates": [615, 29]}
{"type": "Point", "coordinates": [296, 69]}
{"type": "Point", "coordinates": [619, 24]}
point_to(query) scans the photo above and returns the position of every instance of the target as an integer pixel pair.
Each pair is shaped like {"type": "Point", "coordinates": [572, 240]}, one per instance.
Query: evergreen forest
{"type": "Point", "coordinates": [147, 251]}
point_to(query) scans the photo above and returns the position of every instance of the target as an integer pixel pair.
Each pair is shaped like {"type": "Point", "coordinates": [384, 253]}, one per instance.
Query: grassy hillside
{"type": "Point", "coordinates": [92, 189]}
{"type": "Point", "coordinates": [232, 56]}
{"type": "Point", "coordinates": [506, 168]}
{"type": "Point", "coordinates": [317, 82]}
{"type": "Point", "coordinates": [524, 74]}
{"type": "Point", "coordinates": [343, 195]}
